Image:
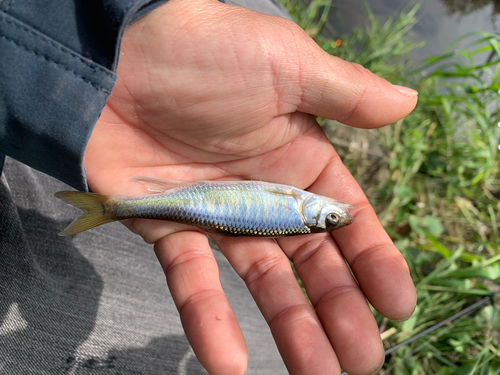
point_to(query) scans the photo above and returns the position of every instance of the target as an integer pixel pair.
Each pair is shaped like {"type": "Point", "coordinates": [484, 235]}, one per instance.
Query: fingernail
{"type": "Point", "coordinates": [406, 91]}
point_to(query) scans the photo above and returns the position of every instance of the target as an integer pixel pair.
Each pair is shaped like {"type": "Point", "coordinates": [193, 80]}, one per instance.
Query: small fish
{"type": "Point", "coordinates": [230, 208]}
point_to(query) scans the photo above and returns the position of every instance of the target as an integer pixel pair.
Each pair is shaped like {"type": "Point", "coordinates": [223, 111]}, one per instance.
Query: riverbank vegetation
{"type": "Point", "coordinates": [434, 180]}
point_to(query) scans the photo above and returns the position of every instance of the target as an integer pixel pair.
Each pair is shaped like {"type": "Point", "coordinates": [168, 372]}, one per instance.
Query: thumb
{"type": "Point", "coordinates": [332, 88]}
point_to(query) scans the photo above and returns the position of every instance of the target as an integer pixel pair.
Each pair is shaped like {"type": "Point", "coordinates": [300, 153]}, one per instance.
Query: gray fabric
{"type": "Point", "coordinates": [95, 303]}
{"type": "Point", "coordinates": [272, 7]}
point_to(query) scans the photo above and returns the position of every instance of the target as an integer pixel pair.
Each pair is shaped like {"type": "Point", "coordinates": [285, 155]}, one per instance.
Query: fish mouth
{"type": "Point", "coordinates": [348, 219]}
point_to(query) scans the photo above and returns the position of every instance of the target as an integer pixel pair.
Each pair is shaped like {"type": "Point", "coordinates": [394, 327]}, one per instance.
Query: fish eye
{"type": "Point", "coordinates": [332, 219]}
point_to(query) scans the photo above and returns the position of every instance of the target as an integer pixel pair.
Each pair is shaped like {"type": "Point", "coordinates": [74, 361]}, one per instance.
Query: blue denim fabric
{"type": "Point", "coordinates": [57, 62]}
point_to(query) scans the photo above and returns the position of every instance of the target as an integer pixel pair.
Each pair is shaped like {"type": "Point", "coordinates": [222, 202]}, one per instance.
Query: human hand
{"type": "Point", "coordinates": [211, 91]}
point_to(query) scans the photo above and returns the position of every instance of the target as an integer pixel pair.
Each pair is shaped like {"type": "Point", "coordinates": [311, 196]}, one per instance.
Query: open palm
{"type": "Point", "coordinates": [211, 91]}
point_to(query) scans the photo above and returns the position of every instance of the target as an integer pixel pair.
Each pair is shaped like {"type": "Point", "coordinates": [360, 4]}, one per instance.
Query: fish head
{"type": "Point", "coordinates": [324, 214]}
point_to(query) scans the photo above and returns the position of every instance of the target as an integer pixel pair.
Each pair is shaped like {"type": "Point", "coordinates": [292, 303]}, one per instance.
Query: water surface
{"type": "Point", "coordinates": [440, 21]}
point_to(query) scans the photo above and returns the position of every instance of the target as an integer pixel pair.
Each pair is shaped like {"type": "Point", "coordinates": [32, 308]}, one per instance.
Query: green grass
{"type": "Point", "coordinates": [434, 180]}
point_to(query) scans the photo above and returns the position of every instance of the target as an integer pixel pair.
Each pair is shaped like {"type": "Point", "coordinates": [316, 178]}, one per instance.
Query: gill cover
{"type": "Point", "coordinates": [325, 213]}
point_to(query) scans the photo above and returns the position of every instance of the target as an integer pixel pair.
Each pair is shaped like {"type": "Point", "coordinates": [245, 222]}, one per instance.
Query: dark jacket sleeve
{"type": "Point", "coordinates": [57, 70]}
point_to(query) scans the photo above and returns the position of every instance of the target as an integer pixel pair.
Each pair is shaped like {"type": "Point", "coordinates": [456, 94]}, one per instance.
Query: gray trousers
{"type": "Point", "coordinates": [97, 303]}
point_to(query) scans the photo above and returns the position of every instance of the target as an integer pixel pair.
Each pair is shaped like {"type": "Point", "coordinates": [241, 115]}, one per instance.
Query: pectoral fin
{"type": "Point", "coordinates": [289, 193]}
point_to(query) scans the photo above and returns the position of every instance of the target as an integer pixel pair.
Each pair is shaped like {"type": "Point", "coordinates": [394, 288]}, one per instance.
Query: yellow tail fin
{"type": "Point", "coordinates": [93, 207]}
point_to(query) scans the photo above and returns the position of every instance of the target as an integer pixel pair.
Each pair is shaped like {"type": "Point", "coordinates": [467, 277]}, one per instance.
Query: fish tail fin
{"type": "Point", "coordinates": [94, 210]}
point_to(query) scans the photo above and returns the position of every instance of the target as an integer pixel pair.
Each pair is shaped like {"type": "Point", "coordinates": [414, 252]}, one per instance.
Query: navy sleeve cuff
{"type": "Point", "coordinates": [56, 75]}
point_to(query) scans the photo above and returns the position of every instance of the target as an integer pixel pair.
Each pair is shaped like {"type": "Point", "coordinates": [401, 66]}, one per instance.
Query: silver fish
{"type": "Point", "coordinates": [230, 208]}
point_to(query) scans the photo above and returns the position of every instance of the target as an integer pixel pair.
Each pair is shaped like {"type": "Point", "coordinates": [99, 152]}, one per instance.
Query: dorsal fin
{"type": "Point", "coordinates": [158, 184]}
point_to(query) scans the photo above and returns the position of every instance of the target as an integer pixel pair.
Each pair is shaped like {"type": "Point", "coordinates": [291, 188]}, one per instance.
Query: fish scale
{"type": "Point", "coordinates": [219, 208]}
{"type": "Point", "coordinates": [239, 208]}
